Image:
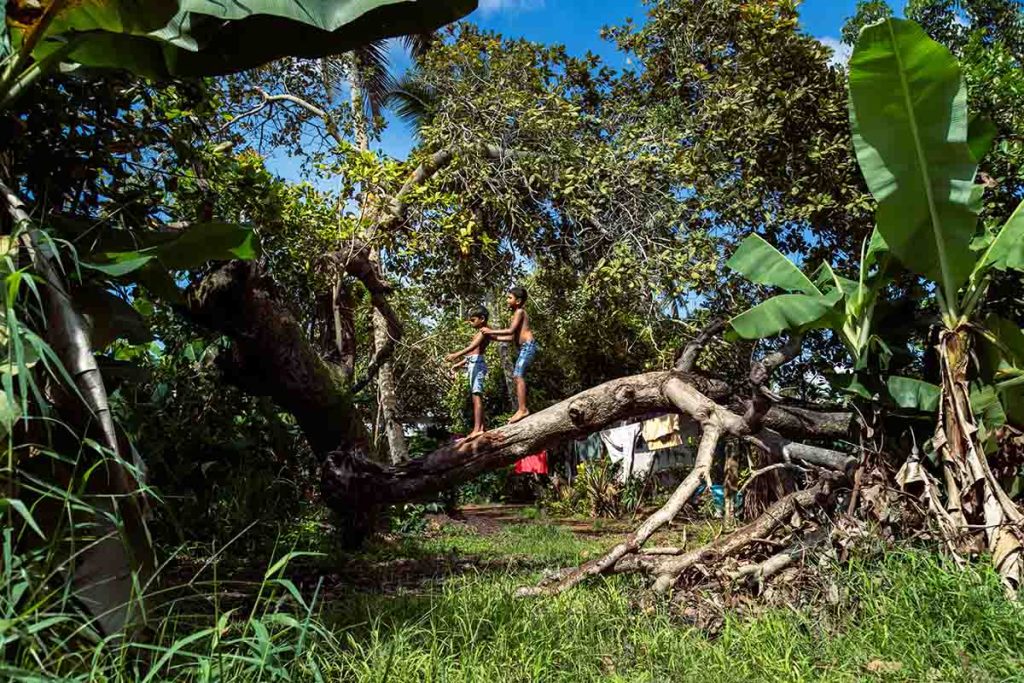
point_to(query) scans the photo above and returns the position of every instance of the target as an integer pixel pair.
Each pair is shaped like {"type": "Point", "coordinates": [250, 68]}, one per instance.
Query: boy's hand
{"type": "Point", "coordinates": [486, 330]}
{"type": "Point", "coordinates": [451, 356]}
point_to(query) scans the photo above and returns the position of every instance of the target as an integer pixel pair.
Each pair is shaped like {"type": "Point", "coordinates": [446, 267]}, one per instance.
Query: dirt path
{"type": "Point", "coordinates": [491, 518]}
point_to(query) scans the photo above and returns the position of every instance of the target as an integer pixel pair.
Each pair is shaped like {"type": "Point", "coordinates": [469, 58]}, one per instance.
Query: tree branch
{"type": "Point", "coordinates": [397, 206]}
{"type": "Point", "coordinates": [356, 261]}
{"type": "Point", "coordinates": [760, 372]}
{"type": "Point", "coordinates": [351, 481]}
{"type": "Point", "coordinates": [268, 99]}
{"type": "Point", "coordinates": [688, 358]}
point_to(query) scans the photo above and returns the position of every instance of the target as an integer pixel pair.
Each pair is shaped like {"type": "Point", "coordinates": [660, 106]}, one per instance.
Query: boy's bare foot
{"type": "Point", "coordinates": [518, 415]}
{"type": "Point", "coordinates": [475, 435]}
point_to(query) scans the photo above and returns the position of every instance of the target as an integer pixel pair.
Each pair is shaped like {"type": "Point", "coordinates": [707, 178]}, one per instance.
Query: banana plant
{"type": "Point", "coordinates": [827, 300]}
{"type": "Point", "coordinates": [919, 155]}
{"type": "Point", "coordinates": [918, 151]}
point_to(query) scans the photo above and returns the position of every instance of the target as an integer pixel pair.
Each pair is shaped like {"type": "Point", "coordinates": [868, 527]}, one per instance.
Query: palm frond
{"type": "Point", "coordinates": [412, 99]}
{"type": "Point", "coordinates": [418, 44]}
{"type": "Point", "coordinates": [374, 74]}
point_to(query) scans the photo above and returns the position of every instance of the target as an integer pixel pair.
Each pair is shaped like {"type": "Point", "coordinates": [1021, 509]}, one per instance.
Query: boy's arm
{"type": "Point", "coordinates": [469, 349]}
{"type": "Point", "coordinates": [512, 330]}
{"type": "Point", "coordinates": [496, 335]}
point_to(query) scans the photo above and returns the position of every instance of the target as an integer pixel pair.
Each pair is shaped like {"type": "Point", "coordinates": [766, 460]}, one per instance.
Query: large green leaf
{"type": "Point", "coordinates": [914, 394]}
{"type": "Point", "coordinates": [786, 312]}
{"type": "Point", "coordinates": [1007, 249]}
{"type": "Point", "coordinates": [908, 115]}
{"type": "Point", "coordinates": [204, 242]}
{"type": "Point", "coordinates": [199, 243]}
{"type": "Point", "coordinates": [850, 383]}
{"type": "Point", "coordinates": [981, 132]}
{"type": "Point", "coordinates": [110, 317]}
{"type": "Point", "coordinates": [161, 38]}
{"type": "Point", "coordinates": [1010, 337]}
{"type": "Point", "coordinates": [760, 262]}
{"type": "Point", "coordinates": [1012, 399]}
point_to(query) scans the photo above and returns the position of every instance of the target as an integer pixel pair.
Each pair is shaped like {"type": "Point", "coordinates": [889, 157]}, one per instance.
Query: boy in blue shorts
{"type": "Point", "coordinates": [519, 332]}
{"type": "Point", "coordinates": [476, 366]}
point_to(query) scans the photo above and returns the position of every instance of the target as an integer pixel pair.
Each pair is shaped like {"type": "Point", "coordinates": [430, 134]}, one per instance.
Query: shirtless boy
{"type": "Point", "coordinates": [518, 332]}
{"type": "Point", "coordinates": [476, 366]}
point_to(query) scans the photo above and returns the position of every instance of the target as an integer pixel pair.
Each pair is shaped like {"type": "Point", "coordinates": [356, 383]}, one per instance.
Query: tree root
{"type": "Point", "coordinates": [668, 572]}
{"type": "Point", "coordinates": [668, 564]}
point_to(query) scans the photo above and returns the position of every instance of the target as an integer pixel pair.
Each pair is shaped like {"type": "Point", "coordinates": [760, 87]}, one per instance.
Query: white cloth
{"type": "Point", "coordinates": [621, 442]}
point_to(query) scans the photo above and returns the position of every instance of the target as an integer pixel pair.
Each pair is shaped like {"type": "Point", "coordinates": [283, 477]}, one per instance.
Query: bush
{"type": "Point", "coordinates": [597, 492]}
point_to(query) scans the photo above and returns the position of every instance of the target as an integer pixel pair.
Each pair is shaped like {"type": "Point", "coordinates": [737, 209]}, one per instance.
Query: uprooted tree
{"type": "Point", "coordinates": [919, 156]}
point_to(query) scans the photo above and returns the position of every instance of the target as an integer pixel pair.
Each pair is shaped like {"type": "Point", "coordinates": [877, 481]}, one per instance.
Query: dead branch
{"type": "Point", "coordinates": [760, 371]}
{"type": "Point", "coordinates": [669, 570]}
{"type": "Point", "coordinates": [770, 468]}
{"type": "Point", "coordinates": [758, 572]}
{"type": "Point", "coordinates": [683, 493]}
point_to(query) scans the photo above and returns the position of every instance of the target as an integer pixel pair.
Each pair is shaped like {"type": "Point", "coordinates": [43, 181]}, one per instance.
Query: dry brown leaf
{"type": "Point", "coordinates": [879, 666]}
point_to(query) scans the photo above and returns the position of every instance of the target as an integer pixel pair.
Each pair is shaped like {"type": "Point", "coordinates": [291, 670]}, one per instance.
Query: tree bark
{"type": "Point", "coordinates": [343, 315]}
{"type": "Point", "coordinates": [272, 357]}
{"type": "Point", "coordinates": [351, 482]}
{"type": "Point", "coordinates": [387, 395]}
{"type": "Point", "coordinates": [383, 330]}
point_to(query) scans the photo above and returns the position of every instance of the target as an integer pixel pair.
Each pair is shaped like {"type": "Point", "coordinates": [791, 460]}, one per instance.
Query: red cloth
{"type": "Point", "coordinates": [533, 464]}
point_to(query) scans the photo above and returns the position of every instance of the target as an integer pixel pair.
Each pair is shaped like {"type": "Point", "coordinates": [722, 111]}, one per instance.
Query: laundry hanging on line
{"type": "Point", "coordinates": [532, 464]}
{"type": "Point", "coordinates": [662, 432]}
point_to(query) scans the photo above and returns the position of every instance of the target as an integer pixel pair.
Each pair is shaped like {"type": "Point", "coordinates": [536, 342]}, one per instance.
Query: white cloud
{"type": "Point", "coordinates": [492, 6]}
{"type": "Point", "coordinates": [840, 51]}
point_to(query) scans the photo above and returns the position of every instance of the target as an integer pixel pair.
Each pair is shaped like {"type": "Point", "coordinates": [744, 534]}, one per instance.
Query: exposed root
{"type": "Point", "coordinates": [758, 573]}
{"type": "Point", "coordinates": [668, 572]}
{"type": "Point", "coordinates": [632, 542]}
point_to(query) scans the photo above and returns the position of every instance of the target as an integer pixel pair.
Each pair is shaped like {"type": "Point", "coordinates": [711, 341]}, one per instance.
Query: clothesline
{"type": "Point", "coordinates": [659, 437]}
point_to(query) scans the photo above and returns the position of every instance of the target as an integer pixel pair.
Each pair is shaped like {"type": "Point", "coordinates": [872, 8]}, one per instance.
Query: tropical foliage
{"type": "Point", "coordinates": [191, 342]}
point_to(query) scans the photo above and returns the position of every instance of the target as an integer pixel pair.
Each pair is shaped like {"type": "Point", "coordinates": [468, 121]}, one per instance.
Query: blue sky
{"type": "Point", "coordinates": [577, 25]}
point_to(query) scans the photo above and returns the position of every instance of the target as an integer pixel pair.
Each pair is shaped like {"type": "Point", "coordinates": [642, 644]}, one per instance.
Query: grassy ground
{"type": "Point", "coordinates": [438, 605]}
{"type": "Point", "coordinates": [908, 617]}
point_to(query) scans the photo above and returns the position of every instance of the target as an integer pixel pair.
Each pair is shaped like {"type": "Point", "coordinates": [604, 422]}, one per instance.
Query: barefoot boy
{"type": "Point", "coordinates": [518, 331]}
{"type": "Point", "coordinates": [476, 366]}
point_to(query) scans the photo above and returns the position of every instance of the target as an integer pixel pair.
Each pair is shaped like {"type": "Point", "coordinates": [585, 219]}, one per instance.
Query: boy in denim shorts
{"type": "Point", "coordinates": [476, 366]}
{"type": "Point", "coordinates": [519, 332]}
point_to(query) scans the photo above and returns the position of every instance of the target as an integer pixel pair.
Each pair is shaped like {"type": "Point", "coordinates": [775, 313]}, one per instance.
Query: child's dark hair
{"type": "Point", "coordinates": [479, 312]}
{"type": "Point", "coordinates": [519, 293]}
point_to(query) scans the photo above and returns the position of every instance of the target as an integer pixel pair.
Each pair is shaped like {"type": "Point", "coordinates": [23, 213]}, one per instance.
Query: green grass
{"type": "Point", "coordinates": [463, 623]}
{"type": "Point", "coordinates": [938, 623]}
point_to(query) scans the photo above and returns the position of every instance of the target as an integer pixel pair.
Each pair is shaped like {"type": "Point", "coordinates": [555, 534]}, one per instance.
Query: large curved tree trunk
{"type": "Point", "coordinates": [272, 357]}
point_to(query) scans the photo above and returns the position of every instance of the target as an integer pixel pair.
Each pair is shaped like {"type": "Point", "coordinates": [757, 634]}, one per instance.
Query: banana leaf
{"type": "Point", "coordinates": [908, 114]}
{"type": "Point", "coordinates": [179, 38]}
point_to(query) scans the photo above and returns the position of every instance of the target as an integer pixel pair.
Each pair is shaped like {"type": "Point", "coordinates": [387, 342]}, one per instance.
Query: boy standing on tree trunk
{"type": "Point", "coordinates": [518, 332]}
{"type": "Point", "coordinates": [476, 366]}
